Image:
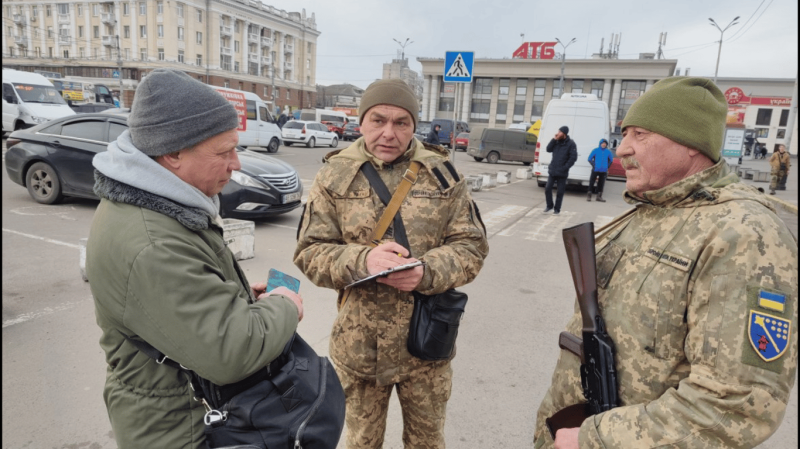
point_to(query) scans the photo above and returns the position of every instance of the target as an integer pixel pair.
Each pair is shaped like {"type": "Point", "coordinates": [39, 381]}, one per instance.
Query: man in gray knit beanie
{"type": "Point", "coordinates": [160, 270]}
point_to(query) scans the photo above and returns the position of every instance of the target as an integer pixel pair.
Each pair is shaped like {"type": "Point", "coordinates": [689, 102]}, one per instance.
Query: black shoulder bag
{"type": "Point", "coordinates": [434, 323]}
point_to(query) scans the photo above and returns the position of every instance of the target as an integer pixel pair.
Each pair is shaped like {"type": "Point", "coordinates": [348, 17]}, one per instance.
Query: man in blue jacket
{"type": "Point", "coordinates": [600, 158]}
{"type": "Point", "coordinates": [565, 153]}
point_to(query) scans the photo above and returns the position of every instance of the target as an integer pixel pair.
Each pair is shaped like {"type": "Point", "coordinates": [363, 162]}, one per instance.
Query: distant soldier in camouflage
{"type": "Point", "coordinates": [368, 340]}
{"type": "Point", "coordinates": [688, 284]}
{"type": "Point", "coordinates": [780, 164]}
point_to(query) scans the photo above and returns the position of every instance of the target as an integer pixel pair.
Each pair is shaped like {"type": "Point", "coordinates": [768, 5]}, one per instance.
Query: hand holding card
{"type": "Point", "coordinates": [279, 279]}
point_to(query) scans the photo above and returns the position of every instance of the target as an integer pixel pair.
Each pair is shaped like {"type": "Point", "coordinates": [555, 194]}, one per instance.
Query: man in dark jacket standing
{"type": "Point", "coordinates": [565, 153]}
{"type": "Point", "coordinates": [433, 136]}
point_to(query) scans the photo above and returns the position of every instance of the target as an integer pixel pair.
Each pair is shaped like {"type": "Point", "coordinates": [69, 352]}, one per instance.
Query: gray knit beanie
{"type": "Point", "coordinates": [393, 92]}
{"type": "Point", "coordinates": [172, 111]}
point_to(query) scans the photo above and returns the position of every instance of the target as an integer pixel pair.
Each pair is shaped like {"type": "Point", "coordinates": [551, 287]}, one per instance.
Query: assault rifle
{"type": "Point", "coordinates": [595, 349]}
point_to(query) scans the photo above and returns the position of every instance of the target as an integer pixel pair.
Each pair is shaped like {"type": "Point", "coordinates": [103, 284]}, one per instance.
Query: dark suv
{"type": "Point", "coordinates": [352, 131]}
{"type": "Point", "coordinates": [423, 128]}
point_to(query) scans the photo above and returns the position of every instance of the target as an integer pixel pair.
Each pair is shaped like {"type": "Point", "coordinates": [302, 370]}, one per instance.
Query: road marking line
{"type": "Point", "coordinates": [495, 217]}
{"type": "Point", "coordinates": [293, 228]}
{"type": "Point", "coordinates": [57, 242]}
{"type": "Point", "coordinates": [46, 311]}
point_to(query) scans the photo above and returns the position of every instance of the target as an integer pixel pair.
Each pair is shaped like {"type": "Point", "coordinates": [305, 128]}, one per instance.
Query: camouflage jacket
{"type": "Point", "coordinates": [698, 289]}
{"type": "Point", "coordinates": [443, 228]}
{"type": "Point", "coordinates": [777, 159]}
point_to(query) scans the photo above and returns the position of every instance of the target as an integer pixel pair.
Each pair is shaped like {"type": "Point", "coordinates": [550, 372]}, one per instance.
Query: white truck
{"type": "Point", "coordinates": [587, 119]}
{"type": "Point", "coordinates": [30, 99]}
{"type": "Point", "coordinates": [257, 128]}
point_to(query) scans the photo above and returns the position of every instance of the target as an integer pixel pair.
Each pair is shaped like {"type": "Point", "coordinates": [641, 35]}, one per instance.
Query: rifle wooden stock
{"type": "Point", "coordinates": [579, 243]}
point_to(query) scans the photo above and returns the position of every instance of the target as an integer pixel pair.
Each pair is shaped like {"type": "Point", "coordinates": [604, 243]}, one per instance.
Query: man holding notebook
{"type": "Point", "coordinates": [336, 247]}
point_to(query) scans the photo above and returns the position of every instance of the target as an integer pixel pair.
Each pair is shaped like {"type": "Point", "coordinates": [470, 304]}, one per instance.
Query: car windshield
{"type": "Point", "coordinates": [351, 126]}
{"type": "Point", "coordinates": [424, 128]}
{"type": "Point", "coordinates": [294, 125]}
{"type": "Point", "coordinates": [463, 136]}
{"type": "Point", "coordinates": [31, 93]}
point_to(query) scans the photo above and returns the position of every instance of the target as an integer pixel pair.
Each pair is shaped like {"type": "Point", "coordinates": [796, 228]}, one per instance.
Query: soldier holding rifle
{"type": "Point", "coordinates": [697, 289]}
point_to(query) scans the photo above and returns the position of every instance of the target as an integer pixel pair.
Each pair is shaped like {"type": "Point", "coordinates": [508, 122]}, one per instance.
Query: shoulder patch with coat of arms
{"type": "Point", "coordinates": [768, 332]}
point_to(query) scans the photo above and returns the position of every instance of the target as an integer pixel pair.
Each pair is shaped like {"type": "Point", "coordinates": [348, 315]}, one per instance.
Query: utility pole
{"type": "Point", "coordinates": [403, 46]}
{"type": "Point", "coordinates": [119, 69]}
{"type": "Point", "coordinates": [274, 98]}
{"type": "Point", "coordinates": [563, 57]}
{"type": "Point", "coordinates": [662, 40]}
{"type": "Point", "coordinates": [721, 32]}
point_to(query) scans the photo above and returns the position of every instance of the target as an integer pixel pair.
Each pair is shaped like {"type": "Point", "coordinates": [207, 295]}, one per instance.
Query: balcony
{"type": "Point", "coordinates": [108, 18]}
{"type": "Point", "coordinates": [288, 48]}
{"type": "Point", "coordinates": [19, 19]}
{"type": "Point", "coordinates": [226, 51]}
{"type": "Point", "coordinates": [266, 42]}
{"type": "Point", "coordinates": [266, 60]}
{"type": "Point", "coordinates": [64, 40]}
{"type": "Point", "coordinates": [63, 19]}
{"type": "Point", "coordinates": [254, 57]}
{"type": "Point", "coordinates": [108, 41]}
{"type": "Point", "coordinates": [226, 30]}
{"type": "Point", "coordinates": [252, 38]}
{"type": "Point", "coordinates": [22, 41]}
{"type": "Point", "coordinates": [288, 65]}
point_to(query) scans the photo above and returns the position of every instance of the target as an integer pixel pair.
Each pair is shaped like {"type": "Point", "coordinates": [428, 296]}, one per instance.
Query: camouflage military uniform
{"type": "Point", "coordinates": [780, 164]}
{"type": "Point", "coordinates": [698, 288]}
{"type": "Point", "coordinates": [368, 340]}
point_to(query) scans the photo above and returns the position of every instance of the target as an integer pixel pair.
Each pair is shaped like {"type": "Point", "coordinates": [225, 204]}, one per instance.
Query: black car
{"type": "Point", "coordinates": [423, 128]}
{"type": "Point", "coordinates": [352, 131]}
{"type": "Point", "coordinates": [54, 160]}
{"type": "Point", "coordinates": [90, 107]}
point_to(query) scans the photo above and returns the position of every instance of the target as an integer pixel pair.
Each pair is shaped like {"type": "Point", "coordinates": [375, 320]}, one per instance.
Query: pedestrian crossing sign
{"type": "Point", "coordinates": [458, 66]}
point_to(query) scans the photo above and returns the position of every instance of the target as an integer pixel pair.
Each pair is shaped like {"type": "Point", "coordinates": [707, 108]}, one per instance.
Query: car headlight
{"type": "Point", "coordinates": [38, 119]}
{"type": "Point", "coordinates": [244, 180]}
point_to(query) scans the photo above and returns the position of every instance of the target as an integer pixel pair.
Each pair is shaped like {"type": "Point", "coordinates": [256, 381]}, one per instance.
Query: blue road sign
{"type": "Point", "coordinates": [458, 66]}
{"type": "Point", "coordinates": [115, 74]}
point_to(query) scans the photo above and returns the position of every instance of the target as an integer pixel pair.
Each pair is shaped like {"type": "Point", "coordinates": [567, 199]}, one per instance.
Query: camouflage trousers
{"type": "Point", "coordinates": [423, 399]}
{"type": "Point", "coordinates": [778, 179]}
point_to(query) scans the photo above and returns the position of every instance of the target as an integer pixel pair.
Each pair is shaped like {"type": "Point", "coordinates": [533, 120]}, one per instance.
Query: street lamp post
{"type": "Point", "coordinates": [408, 41]}
{"type": "Point", "coordinates": [721, 32]}
{"type": "Point", "coordinates": [563, 56]}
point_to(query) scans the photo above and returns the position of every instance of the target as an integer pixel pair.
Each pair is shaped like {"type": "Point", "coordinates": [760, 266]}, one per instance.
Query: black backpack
{"type": "Point", "coordinates": [295, 402]}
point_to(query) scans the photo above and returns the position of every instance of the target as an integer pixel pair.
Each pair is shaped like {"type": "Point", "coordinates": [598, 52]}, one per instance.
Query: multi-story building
{"type": "Point", "coordinates": [398, 69]}
{"type": "Point", "coordinates": [242, 44]}
{"type": "Point", "coordinates": [339, 95]}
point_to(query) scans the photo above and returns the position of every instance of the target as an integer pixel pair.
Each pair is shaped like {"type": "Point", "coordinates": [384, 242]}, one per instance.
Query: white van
{"type": "Point", "coordinates": [29, 99]}
{"type": "Point", "coordinates": [587, 119]}
{"type": "Point", "coordinates": [323, 115]}
{"type": "Point", "coordinates": [260, 128]}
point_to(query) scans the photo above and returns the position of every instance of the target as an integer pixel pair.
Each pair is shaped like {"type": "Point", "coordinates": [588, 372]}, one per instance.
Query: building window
{"type": "Point", "coordinates": [49, 32]}
{"type": "Point", "coordinates": [577, 86]}
{"type": "Point", "coordinates": [522, 87]}
{"type": "Point", "coordinates": [265, 92]}
{"type": "Point", "coordinates": [537, 108]}
{"type": "Point", "coordinates": [763, 117]}
{"type": "Point", "coordinates": [784, 117]}
{"type": "Point", "coordinates": [556, 90]}
{"type": "Point", "coordinates": [236, 66]}
{"type": "Point", "coordinates": [48, 12]}
{"type": "Point", "coordinates": [276, 92]}
{"type": "Point", "coordinates": [126, 31]}
{"type": "Point", "coordinates": [82, 52]}
{"type": "Point", "coordinates": [142, 31]}
{"type": "Point", "coordinates": [37, 52]}
{"type": "Point", "coordinates": [159, 8]}
{"type": "Point", "coordinates": [95, 52]}
{"type": "Point", "coordinates": [160, 54]}
{"type": "Point", "coordinates": [126, 9]}
{"type": "Point", "coordinates": [142, 8]}
{"type": "Point", "coordinates": [288, 94]}
{"type": "Point", "coordinates": [66, 54]}
{"type": "Point", "coordinates": [199, 60]}
{"type": "Point", "coordinates": [199, 37]}
{"type": "Point", "coordinates": [762, 133]}
{"type": "Point", "coordinates": [49, 52]}
{"type": "Point", "coordinates": [199, 15]}
{"type": "Point", "coordinates": [63, 8]}
{"type": "Point", "coordinates": [127, 54]}
{"type": "Point", "coordinates": [96, 32]}
{"type": "Point", "coordinates": [235, 26]}
{"type": "Point", "coordinates": [180, 9]}
{"type": "Point", "coordinates": [781, 134]}
{"type": "Point", "coordinates": [502, 110]}
{"type": "Point", "coordinates": [630, 92]}
{"type": "Point", "coordinates": [252, 68]}
{"type": "Point", "coordinates": [226, 84]}
{"type": "Point", "coordinates": [143, 54]}
{"type": "Point", "coordinates": [80, 31]}
{"type": "Point", "coordinates": [236, 46]}
{"type": "Point", "coordinates": [180, 33]}
{"type": "Point", "coordinates": [479, 110]}
{"type": "Point", "coordinates": [160, 30]}
{"type": "Point", "coordinates": [504, 86]}
{"type": "Point", "coordinates": [597, 88]}
{"type": "Point", "coordinates": [519, 101]}
{"type": "Point", "coordinates": [180, 56]}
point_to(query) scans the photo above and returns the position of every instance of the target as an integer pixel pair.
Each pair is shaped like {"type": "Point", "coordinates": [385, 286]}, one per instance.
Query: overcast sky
{"type": "Point", "coordinates": [357, 35]}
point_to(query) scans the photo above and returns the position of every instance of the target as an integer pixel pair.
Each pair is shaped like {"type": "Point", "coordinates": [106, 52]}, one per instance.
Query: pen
{"type": "Point", "coordinates": [399, 255]}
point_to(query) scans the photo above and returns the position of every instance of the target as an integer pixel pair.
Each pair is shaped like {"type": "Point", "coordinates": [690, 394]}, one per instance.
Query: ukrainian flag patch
{"type": "Point", "coordinates": [772, 301]}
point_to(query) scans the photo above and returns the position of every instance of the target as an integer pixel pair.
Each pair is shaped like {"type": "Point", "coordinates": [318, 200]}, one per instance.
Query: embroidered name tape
{"type": "Point", "coordinates": [673, 260]}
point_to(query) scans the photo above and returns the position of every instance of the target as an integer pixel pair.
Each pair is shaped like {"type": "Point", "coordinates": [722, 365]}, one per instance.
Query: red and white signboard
{"type": "Point", "coordinates": [238, 102]}
{"type": "Point", "coordinates": [535, 50]}
{"type": "Point", "coordinates": [735, 95]}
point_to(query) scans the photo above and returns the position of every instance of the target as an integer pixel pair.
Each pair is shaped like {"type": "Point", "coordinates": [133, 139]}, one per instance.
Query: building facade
{"type": "Point", "coordinates": [398, 69]}
{"type": "Point", "coordinates": [241, 44]}
{"type": "Point", "coordinates": [339, 96]}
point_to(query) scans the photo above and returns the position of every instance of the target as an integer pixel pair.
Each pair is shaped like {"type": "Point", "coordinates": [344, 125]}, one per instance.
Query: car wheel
{"type": "Point", "coordinates": [334, 142]}
{"type": "Point", "coordinates": [43, 184]}
{"type": "Point", "coordinates": [311, 143]}
{"type": "Point", "coordinates": [477, 159]}
{"type": "Point", "coordinates": [492, 157]}
{"type": "Point", "coordinates": [527, 164]}
{"type": "Point", "coordinates": [273, 145]}
{"type": "Point", "coordinates": [541, 183]}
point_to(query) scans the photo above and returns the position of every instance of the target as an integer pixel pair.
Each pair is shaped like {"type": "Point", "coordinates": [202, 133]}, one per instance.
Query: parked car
{"type": "Point", "coordinates": [497, 144]}
{"type": "Point", "coordinates": [352, 131]}
{"type": "Point", "coordinates": [308, 133]}
{"type": "Point", "coordinates": [91, 107]}
{"type": "Point", "coordinates": [615, 170]}
{"type": "Point", "coordinates": [54, 160]}
{"type": "Point", "coordinates": [462, 141]}
{"type": "Point", "coordinates": [423, 128]}
{"type": "Point", "coordinates": [446, 129]}
{"type": "Point", "coordinates": [335, 127]}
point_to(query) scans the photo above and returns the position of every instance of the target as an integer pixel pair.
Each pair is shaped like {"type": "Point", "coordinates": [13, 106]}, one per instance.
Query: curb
{"type": "Point", "coordinates": [783, 204]}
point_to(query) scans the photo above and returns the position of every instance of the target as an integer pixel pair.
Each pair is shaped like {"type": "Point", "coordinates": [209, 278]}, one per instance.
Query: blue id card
{"type": "Point", "coordinates": [280, 279]}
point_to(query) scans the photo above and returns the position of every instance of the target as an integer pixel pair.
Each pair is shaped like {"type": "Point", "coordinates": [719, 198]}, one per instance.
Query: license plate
{"type": "Point", "coordinates": [289, 197]}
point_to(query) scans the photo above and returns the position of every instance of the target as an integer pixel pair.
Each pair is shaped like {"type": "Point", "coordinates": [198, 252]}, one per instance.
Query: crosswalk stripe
{"type": "Point", "coordinates": [495, 217]}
